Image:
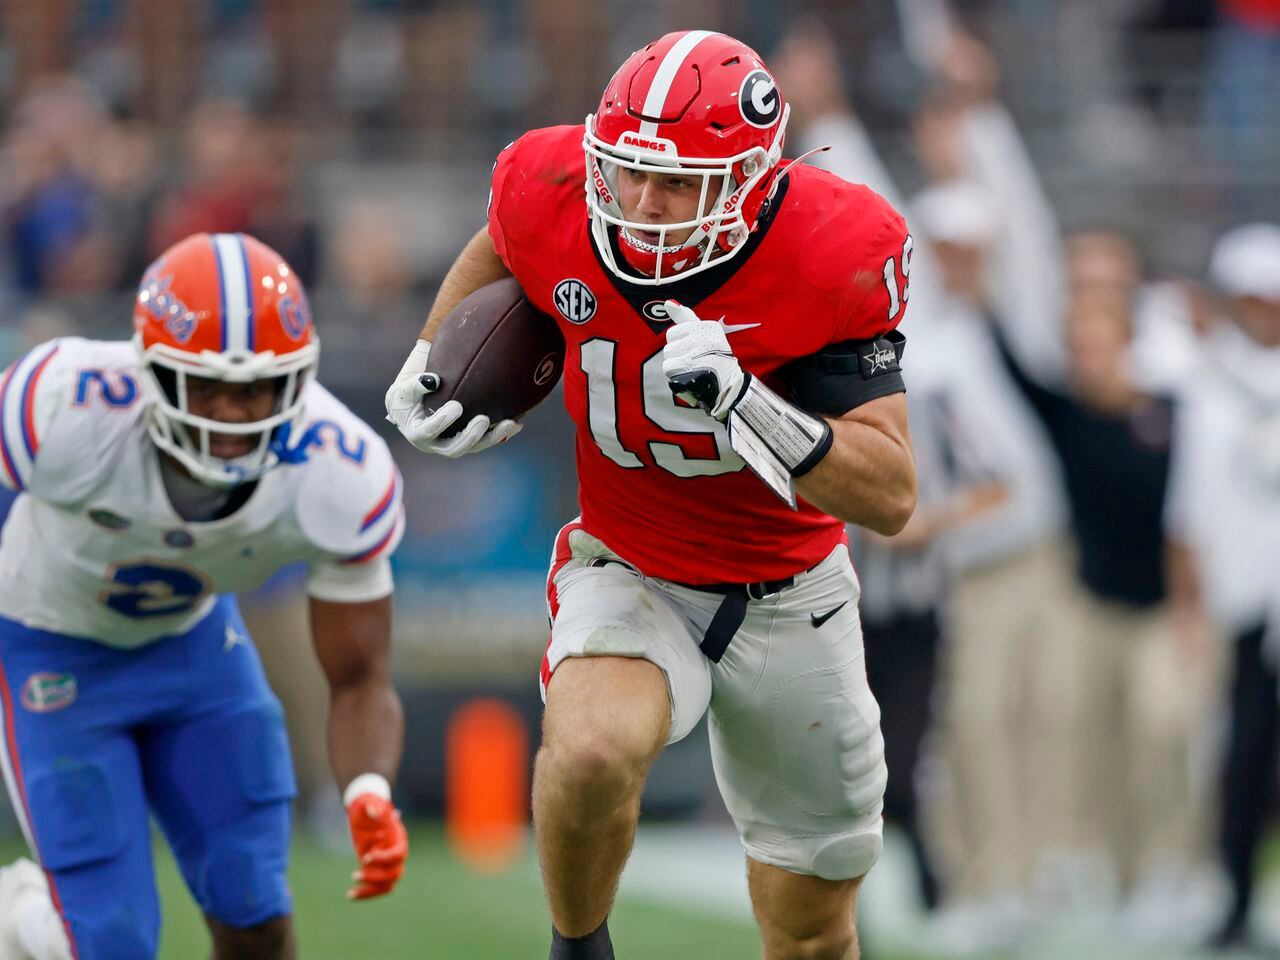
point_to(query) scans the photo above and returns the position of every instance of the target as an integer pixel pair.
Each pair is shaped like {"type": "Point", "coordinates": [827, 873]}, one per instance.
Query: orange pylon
{"type": "Point", "coordinates": [486, 784]}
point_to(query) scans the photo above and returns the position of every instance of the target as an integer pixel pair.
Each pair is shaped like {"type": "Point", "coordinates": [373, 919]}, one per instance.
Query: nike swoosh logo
{"type": "Point", "coordinates": [819, 620]}
{"type": "Point", "coordinates": [735, 327]}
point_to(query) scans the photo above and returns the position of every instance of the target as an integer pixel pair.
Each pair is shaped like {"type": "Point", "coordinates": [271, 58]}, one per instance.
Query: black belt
{"type": "Point", "coordinates": [733, 610]}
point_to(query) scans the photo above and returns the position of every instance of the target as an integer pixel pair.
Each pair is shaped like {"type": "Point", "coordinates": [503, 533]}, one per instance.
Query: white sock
{"type": "Point", "coordinates": [40, 929]}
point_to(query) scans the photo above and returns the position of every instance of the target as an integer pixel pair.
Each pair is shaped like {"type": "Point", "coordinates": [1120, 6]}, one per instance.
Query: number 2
{"type": "Point", "coordinates": [898, 301]}
{"type": "Point", "coordinates": [153, 588]}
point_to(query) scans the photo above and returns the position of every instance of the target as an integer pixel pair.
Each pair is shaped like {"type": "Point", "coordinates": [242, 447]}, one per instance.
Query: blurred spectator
{"type": "Point", "coordinates": [1243, 76]}
{"type": "Point", "coordinates": [1224, 515]}
{"type": "Point", "coordinates": [905, 583]}
{"type": "Point", "coordinates": [1118, 814]}
{"type": "Point", "coordinates": [52, 210]}
{"type": "Point", "coordinates": [240, 173]}
{"type": "Point", "coordinates": [371, 297]}
{"type": "Point", "coordinates": [1006, 615]}
{"type": "Point", "coordinates": [221, 178]}
{"type": "Point", "coordinates": [1113, 441]}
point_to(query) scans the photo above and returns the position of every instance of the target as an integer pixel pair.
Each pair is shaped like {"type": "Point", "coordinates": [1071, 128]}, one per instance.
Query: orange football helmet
{"type": "Point", "coordinates": [223, 307]}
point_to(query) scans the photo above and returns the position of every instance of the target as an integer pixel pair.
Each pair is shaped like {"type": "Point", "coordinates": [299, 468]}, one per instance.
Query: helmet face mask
{"type": "Point", "coordinates": [697, 105]}
{"type": "Point", "coordinates": [191, 322]}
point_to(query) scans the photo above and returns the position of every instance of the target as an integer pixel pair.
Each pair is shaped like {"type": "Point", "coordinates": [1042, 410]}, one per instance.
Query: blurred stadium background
{"type": "Point", "coordinates": [356, 137]}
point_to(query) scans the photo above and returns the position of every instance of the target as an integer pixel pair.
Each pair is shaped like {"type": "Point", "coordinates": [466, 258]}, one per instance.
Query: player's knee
{"type": "Point", "coordinates": [594, 763]}
{"type": "Point", "coordinates": [269, 940]}
{"type": "Point", "coordinates": [836, 943]}
{"type": "Point", "coordinates": [242, 888]}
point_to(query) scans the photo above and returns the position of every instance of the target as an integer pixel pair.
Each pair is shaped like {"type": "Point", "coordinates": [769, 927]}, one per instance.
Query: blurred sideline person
{"type": "Point", "coordinates": [1008, 591]}
{"type": "Point", "coordinates": [1127, 741]}
{"type": "Point", "coordinates": [688, 583]}
{"type": "Point", "coordinates": [158, 478]}
{"type": "Point", "coordinates": [905, 580]}
{"type": "Point", "coordinates": [1224, 519]}
{"type": "Point", "coordinates": [984, 825]}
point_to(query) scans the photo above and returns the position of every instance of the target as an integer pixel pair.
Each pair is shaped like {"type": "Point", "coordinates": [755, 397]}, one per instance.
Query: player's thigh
{"type": "Point", "coordinates": [631, 650]}
{"type": "Point", "coordinates": [73, 778]}
{"type": "Point", "coordinates": [795, 730]}
{"type": "Point", "coordinates": [220, 781]}
{"type": "Point", "coordinates": [801, 915]}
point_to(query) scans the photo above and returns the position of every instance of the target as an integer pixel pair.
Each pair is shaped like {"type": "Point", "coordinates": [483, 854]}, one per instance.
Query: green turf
{"type": "Point", "coordinates": [441, 911]}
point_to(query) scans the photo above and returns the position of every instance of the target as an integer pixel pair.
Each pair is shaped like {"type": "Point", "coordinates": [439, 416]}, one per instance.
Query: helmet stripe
{"type": "Point", "coordinates": [222, 296]}
{"type": "Point", "coordinates": [233, 272]}
{"type": "Point", "coordinates": [248, 290]}
{"type": "Point", "coordinates": [666, 75]}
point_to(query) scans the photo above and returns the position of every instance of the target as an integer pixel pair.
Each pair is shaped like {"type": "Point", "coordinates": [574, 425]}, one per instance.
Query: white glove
{"type": "Point", "coordinates": [699, 363]}
{"type": "Point", "coordinates": [405, 410]}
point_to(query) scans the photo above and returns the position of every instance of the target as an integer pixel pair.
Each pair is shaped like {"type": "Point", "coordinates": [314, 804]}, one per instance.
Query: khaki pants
{"type": "Point", "coordinates": [1005, 722]}
{"type": "Point", "coordinates": [1142, 705]}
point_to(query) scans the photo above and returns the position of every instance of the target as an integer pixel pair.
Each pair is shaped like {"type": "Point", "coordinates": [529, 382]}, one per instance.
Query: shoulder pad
{"type": "Point", "coordinates": [351, 498]}
{"type": "Point", "coordinates": [550, 156]}
{"type": "Point", "coordinates": [63, 406]}
{"type": "Point", "coordinates": [856, 255]}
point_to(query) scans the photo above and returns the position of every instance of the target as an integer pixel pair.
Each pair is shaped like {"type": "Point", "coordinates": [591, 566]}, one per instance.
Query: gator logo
{"type": "Point", "coordinates": [158, 300]}
{"type": "Point", "coordinates": [47, 692]}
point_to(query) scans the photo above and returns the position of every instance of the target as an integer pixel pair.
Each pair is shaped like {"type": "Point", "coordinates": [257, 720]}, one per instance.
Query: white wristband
{"type": "Point", "coordinates": [374, 783]}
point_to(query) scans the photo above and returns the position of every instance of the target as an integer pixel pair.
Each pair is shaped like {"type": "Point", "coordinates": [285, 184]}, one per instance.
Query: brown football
{"type": "Point", "coordinates": [496, 354]}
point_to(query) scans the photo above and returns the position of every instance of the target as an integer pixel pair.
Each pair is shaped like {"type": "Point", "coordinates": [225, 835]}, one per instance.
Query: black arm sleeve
{"type": "Point", "coordinates": [846, 375]}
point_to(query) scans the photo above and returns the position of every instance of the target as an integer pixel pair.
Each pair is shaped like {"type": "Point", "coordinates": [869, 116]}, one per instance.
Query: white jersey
{"type": "Point", "coordinates": [93, 547]}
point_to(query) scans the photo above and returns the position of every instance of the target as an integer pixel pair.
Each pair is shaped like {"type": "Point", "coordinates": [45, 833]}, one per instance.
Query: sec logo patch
{"type": "Point", "coordinates": [574, 300]}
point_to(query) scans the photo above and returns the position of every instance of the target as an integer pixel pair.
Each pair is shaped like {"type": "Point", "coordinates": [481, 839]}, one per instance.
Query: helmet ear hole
{"type": "Point", "coordinates": [168, 380]}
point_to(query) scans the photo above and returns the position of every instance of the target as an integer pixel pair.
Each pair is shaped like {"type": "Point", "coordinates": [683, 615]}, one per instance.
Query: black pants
{"type": "Point", "coordinates": [1249, 774]}
{"type": "Point", "coordinates": [902, 656]}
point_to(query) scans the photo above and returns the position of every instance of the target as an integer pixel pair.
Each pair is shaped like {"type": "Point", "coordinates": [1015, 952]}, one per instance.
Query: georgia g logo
{"type": "Point", "coordinates": [574, 300]}
{"type": "Point", "coordinates": [656, 310]}
{"type": "Point", "coordinates": [759, 101]}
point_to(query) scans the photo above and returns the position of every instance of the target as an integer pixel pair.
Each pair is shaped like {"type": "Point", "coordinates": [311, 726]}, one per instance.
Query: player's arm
{"type": "Point", "coordinates": [868, 475]}
{"type": "Point", "coordinates": [478, 265]}
{"type": "Point", "coordinates": [855, 464]}
{"type": "Point", "coordinates": [481, 262]}
{"type": "Point", "coordinates": [366, 732]}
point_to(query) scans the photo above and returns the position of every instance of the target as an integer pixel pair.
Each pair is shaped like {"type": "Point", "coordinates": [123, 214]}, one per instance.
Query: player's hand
{"type": "Point", "coordinates": [699, 363]}
{"type": "Point", "coordinates": [405, 409]}
{"type": "Point", "coordinates": [382, 845]}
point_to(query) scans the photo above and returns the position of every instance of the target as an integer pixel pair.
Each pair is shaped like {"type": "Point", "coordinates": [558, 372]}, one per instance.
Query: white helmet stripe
{"type": "Point", "coordinates": [233, 275]}
{"type": "Point", "coordinates": [666, 74]}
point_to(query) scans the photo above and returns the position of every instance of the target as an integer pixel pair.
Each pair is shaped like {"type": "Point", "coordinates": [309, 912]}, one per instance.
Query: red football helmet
{"type": "Point", "coordinates": [224, 307]}
{"type": "Point", "coordinates": [699, 104]}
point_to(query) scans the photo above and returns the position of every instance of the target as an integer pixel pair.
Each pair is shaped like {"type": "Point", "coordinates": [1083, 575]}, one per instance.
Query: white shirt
{"type": "Point", "coordinates": [93, 546]}
{"type": "Point", "coordinates": [1224, 490]}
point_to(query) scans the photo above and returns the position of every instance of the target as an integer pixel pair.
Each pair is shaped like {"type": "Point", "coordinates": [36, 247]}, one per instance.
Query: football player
{"type": "Point", "coordinates": [158, 478]}
{"type": "Point", "coordinates": [731, 336]}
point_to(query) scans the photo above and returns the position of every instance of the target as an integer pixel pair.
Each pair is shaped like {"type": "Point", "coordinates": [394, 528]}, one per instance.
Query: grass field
{"type": "Point", "coordinates": [441, 911]}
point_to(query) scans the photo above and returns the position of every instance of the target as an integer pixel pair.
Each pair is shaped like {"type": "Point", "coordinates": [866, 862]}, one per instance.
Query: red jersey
{"type": "Point", "coordinates": [658, 481]}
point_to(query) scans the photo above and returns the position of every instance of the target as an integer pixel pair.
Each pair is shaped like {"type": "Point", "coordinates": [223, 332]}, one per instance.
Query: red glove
{"type": "Point", "coordinates": [381, 842]}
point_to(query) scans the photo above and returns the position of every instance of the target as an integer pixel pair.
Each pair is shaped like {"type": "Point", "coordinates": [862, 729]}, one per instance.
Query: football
{"type": "Point", "coordinates": [496, 354]}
